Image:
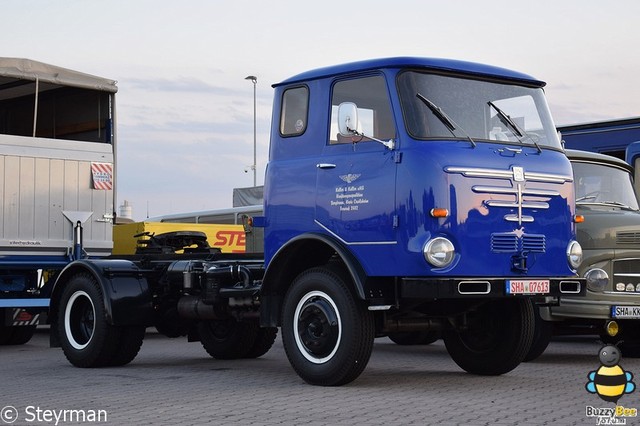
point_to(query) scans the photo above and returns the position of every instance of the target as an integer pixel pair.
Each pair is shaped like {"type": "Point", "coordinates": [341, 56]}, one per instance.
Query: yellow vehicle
{"type": "Point", "coordinates": [127, 237]}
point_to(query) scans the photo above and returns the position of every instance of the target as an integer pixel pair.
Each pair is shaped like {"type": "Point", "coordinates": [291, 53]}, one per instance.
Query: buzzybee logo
{"type": "Point", "coordinates": [610, 381]}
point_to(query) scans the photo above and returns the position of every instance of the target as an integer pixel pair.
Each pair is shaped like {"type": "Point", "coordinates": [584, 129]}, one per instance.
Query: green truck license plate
{"type": "Point", "coordinates": [627, 312]}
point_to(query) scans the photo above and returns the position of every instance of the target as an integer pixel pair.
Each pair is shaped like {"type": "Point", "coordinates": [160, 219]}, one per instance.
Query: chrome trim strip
{"type": "Point", "coordinates": [514, 218]}
{"type": "Point", "coordinates": [480, 172]}
{"type": "Point", "coordinates": [547, 177]}
{"type": "Point", "coordinates": [508, 174]}
{"type": "Point", "coordinates": [379, 307]}
{"type": "Point", "coordinates": [513, 191]}
{"type": "Point", "coordinates": [526, 205]}
{"type": "Point", "coordinates": [493, 189]}
{"type": "Point", "coordinates": [487, 291]}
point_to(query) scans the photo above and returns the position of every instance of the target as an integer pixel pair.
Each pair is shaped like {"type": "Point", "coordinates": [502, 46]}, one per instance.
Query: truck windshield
{"type": "Point", "coordinates": [602, 184]}
{"type": "Point", "coordinates": [478, 107]}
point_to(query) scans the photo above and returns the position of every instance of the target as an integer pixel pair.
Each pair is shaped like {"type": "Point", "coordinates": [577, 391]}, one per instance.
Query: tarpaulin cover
{"type": "Point", "coordinates": [26, 69]}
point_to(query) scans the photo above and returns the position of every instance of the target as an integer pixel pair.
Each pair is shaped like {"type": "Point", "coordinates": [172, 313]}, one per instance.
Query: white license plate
{"type": "Point", "coordinates": [527, 286]}
{"type": "Point", "coordinates": [626, 312]}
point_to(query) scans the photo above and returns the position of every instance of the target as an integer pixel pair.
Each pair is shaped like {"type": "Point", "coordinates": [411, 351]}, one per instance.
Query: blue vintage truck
{"type": "Point", "coordinates": [401, 195]}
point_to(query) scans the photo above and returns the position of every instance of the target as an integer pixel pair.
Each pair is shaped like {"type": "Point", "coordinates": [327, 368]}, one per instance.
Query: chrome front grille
{"type": "Point", "coordinates": [520, 196]}
{"type": "Point", "coordinates": [626, 275]}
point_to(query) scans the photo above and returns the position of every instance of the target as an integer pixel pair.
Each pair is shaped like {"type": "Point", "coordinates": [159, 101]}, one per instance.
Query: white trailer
{"type": "Point", "coordinates": [57, 182]}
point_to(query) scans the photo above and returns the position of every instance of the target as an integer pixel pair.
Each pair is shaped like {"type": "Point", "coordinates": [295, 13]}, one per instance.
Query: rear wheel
{"type": "Point", "coordinates": [170, 324]}
{"type": "Point", "coordinates": [327, 334]}
{"type": "Point", "coordinates": [5, 334]}
{"type": "Point", "coordinates": [131, 338]}
{"type": "Point", "coordinates": [86, 338]}
{"type": "Point", "coordinates": [227, 339]}
{"type": "Point", "coordinates": [265, 337]}
{"type": "Point", "coordinates": [16, 335]}
{"type": "Point", "coordinates": [496, 339]}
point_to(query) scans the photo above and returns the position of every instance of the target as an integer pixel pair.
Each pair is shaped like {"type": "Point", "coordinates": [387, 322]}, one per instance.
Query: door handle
{"type": "Point", "coordinates": [325, 166]}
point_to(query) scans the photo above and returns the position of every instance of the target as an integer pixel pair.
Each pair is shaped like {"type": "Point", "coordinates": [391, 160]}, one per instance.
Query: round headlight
{"type": "Point", "coordinates": [574, 254]}
{"type": "Point", "coordinates": [597, 279]}
{"type": "Point", "coordinates": [439, 252]}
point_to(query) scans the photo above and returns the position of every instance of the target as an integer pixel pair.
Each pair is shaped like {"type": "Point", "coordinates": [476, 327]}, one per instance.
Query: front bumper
{"type": "Point", "coordinates": [469, 288]}
{"type": "Point", "coordinates": [594, 305]}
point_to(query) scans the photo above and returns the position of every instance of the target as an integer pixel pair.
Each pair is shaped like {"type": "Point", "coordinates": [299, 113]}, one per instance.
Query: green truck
{"type": "Point", "coordinates": [610, 240]}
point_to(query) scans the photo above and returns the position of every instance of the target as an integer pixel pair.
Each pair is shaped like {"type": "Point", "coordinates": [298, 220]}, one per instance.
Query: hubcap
{"type": "Point", "coordinates": [317, 327]}
{"type": "Point", "coordinates": [79, 320]}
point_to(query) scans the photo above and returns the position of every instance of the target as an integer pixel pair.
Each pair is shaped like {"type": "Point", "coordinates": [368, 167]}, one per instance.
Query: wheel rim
{"type": "Point", "coordinates": [317, 327]}
{"type": "Point", "coordinates": [79, 320]}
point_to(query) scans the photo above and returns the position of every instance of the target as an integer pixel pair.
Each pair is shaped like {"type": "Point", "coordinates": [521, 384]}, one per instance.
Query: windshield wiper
{"type": "Point", "coordinates": [444, 118]}
{"type": "Point", "coordinates": [586, 197]}
{"type": "Point", "coordinates": [582, 200]}
{"type": "Point", "coordinates": [618, 204]}
{"type": "Point", "coordinates": [507, 121]}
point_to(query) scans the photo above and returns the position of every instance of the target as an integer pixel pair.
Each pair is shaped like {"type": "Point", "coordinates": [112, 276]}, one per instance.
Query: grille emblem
{"type": "Point", "coordinates": [518, 174]}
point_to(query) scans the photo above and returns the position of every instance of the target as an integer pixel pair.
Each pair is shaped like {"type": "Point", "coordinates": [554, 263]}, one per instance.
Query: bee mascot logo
{"type": "Point", "coordinates": [610, 381]}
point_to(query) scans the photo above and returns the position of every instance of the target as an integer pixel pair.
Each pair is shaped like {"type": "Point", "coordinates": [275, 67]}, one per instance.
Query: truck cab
{"type": "Point", "coordinates": [433, 193]}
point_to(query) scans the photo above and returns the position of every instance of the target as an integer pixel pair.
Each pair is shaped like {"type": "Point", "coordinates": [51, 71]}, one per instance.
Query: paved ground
{"type": "Point", "coordinates": [173, 382]}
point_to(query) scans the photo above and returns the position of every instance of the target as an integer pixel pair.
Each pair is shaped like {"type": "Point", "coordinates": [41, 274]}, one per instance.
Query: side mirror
{"type": "Point", "coordinates": [561, 140]}
{"type": "Point", "coordinates": [347, 119]}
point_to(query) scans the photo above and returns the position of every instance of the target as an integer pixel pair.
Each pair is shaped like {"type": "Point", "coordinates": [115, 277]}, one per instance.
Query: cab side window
{"type": "Point", "coordinates": [374, 110]}
{"type": "Point", "coordinates": [294, 113]}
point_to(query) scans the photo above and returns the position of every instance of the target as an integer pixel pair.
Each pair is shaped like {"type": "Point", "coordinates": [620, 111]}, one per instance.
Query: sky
{"type": "Point", "coordinates": [185, 111]}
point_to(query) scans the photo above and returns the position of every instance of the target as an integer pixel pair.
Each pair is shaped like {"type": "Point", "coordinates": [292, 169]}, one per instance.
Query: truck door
{"type": "Point", "coordinates": [355, 187]}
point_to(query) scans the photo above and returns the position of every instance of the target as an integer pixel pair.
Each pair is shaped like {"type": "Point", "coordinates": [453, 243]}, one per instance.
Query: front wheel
{"type": "Point", "coordinates": [496, 339]}
{"type": "Point", "coordinates": [327, 334]}
{"type": "Point", "coordinates": [543, 332]}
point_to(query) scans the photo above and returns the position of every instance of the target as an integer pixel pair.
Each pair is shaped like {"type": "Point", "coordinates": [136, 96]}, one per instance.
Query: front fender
{"type": "Point", "coordinates": [299, 254]}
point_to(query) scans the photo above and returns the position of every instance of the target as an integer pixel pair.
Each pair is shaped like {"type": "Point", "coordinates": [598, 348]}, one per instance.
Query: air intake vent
{"type": "Point", "coordinates": [511, 243]}
{"type": "Point", "coordinates": [629, 237]}
{"type": "Point", "coordinates": [504, 243]}
{"type": "Point", "coordinates": [532, 242]}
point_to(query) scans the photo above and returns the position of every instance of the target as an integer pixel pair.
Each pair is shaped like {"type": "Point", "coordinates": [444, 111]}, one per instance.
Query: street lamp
{"type": "Point", "coordinates": [254, 80]}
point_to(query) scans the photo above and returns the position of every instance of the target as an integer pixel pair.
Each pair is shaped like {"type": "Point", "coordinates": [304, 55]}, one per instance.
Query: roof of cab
{"type": "Point", "coordinates": [579, 155]}
{"type": "Point", "coordinates": [436, 64]}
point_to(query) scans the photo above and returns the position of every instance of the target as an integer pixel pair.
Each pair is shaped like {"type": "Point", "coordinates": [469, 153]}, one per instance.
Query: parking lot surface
{"type": "Point", "coordinates": [174, 382]}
